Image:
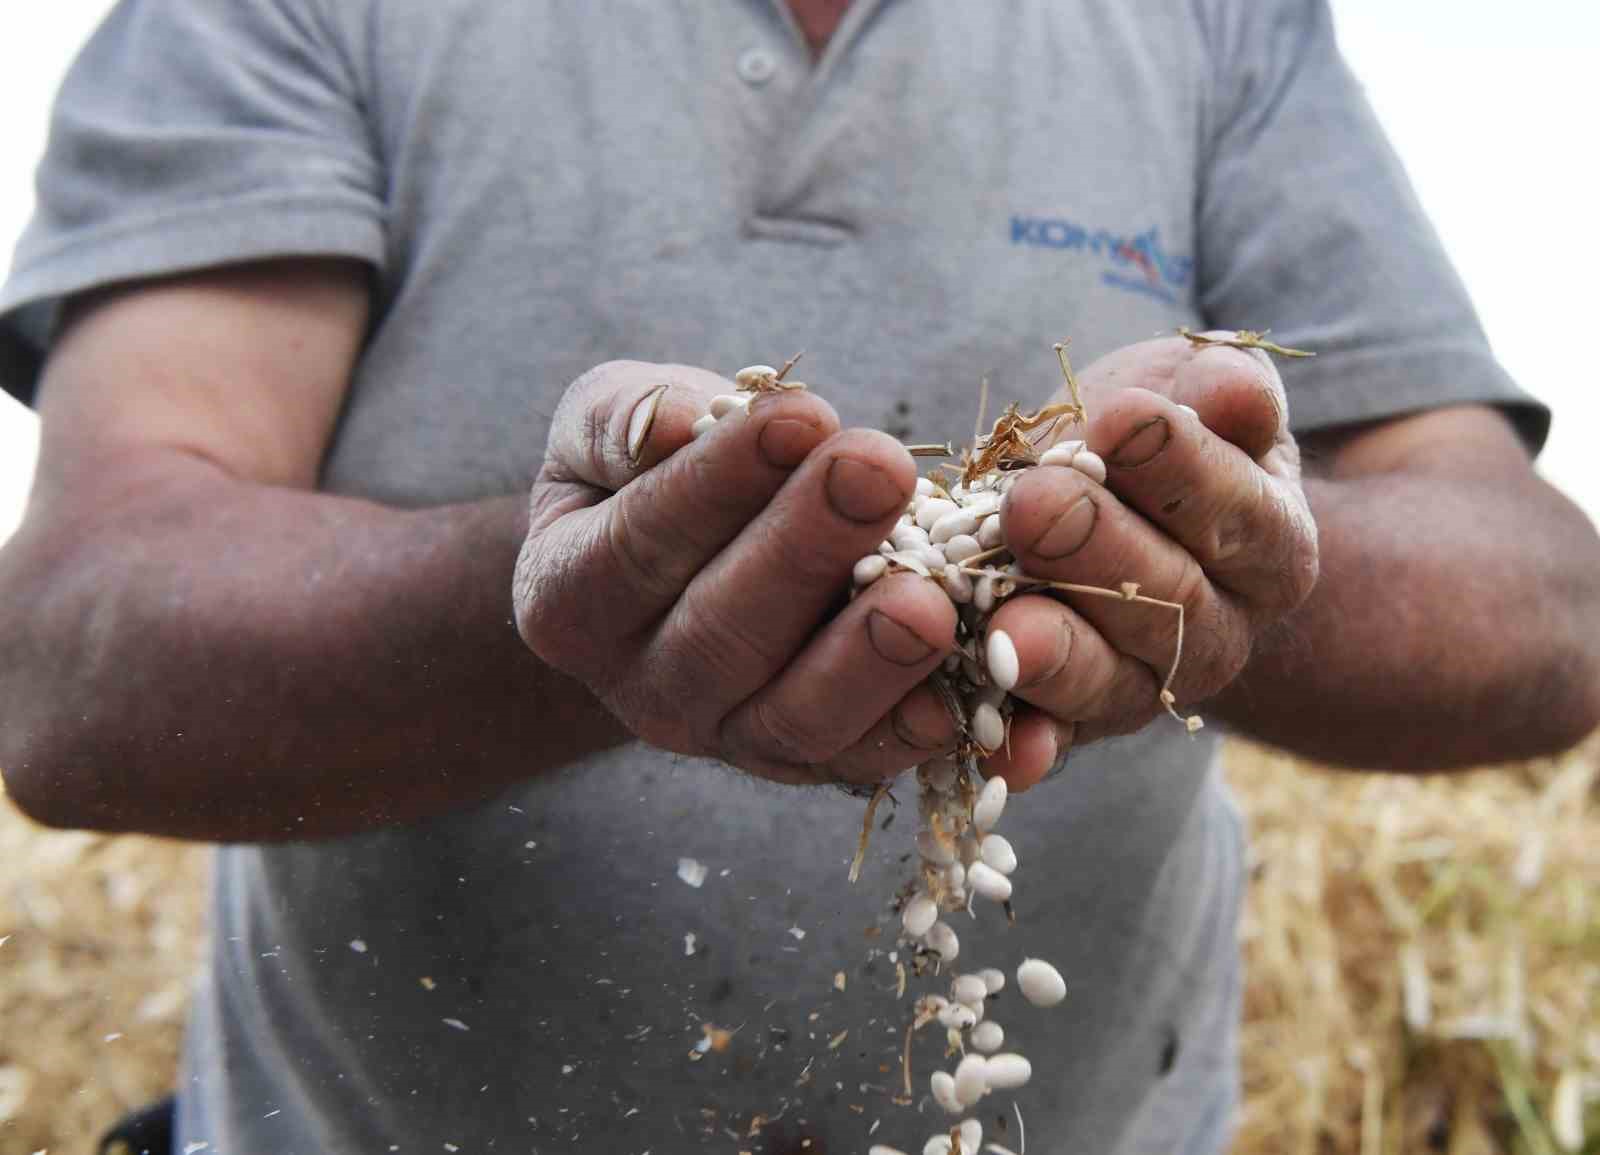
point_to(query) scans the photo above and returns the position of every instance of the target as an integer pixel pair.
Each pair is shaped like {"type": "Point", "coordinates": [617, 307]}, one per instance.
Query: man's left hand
{"type": "Point", "coordinates": [1202, 506]}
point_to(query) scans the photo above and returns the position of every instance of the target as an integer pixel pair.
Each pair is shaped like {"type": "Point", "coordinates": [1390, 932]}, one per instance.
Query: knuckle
{"type": "Point", "coordinates": [777, 733]}
{"type": "Point", "coordinates": [643, 560]}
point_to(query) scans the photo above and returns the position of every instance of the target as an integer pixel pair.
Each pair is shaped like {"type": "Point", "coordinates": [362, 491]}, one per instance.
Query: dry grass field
{"type": "Point", "coordinates": [1424, 965]}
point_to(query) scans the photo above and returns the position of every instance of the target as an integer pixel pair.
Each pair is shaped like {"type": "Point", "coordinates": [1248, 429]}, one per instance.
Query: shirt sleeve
{"type": "Point", "coordinates": [1308, 225]}
{"type": "Point", "coordinates": [190, 134]}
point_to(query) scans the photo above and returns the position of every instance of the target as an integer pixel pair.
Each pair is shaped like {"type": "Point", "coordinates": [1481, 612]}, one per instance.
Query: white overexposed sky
{"type": "Point", "coordinates": [1494, 107]}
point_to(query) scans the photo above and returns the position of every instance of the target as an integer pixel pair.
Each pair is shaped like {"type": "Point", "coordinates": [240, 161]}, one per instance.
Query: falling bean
{"type": "Point", "coordinates": [969, 989]}
{"type": "Point", "coordinates": [943, 1086]}
{"type": "Point", "coordinates": [1041, 984]}
{"type": "Point", "coordinates": [987, 1037]}
{"type": "Point", "coordinates": [997, 854]}
{"type": "Point", "coordinates": [1004, 1072]}
{"type": "Point", "coordinates": [972, 1079]}
{"type": "Point", "coordinates": [988, 882]}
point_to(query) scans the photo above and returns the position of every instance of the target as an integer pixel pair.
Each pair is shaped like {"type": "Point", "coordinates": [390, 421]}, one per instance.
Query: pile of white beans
{"type": "Point", "coordinates": [950, 534]}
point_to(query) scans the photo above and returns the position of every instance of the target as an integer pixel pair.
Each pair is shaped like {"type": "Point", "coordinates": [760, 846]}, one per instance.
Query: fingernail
{"type": "Point", "coordinates": [1142, 444]}
{"type": "Point", "coordinates": [1062, 656]}
{"type": "Point", "coordinates": [894, 642]}
{"type": "Point", "coordinates": [640, 421]}
{"type": "Point", "coordinates": [1070, 530]}
{"type": "Point", "coordinates": [785, 442]}
{"type": "Point", "coordinates": [908, 734]}
{"type": "Point", "coordinates": [862, 492]}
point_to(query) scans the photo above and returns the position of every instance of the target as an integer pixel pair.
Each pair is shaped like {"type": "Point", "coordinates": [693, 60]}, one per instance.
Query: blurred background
{"type": "Point", "coordinates": [1424, 953]}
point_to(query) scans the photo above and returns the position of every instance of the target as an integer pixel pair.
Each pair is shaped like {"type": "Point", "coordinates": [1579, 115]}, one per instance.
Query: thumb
{"type": "Point", "coordinates": [622, 417]}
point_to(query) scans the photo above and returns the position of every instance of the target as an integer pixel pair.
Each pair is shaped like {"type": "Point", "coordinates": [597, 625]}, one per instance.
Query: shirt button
{"type": "Point", "coordinates": [756, 66]}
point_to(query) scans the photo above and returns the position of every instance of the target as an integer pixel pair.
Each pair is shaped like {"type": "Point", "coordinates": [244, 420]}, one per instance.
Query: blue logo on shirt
{"type": "Point", "coordinates": [1138, 264]}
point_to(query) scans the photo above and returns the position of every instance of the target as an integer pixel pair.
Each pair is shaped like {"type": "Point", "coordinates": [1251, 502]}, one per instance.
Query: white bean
{"type": "Point", "coordinates": [998, 854]}
{"type": "Point", "coordinates": [971, 1136]}
{"type": "Point", "coordinates": [932, 510]}
{"type": "Point", "coordinates": [1061, 453]}
{"type": "Point", "coordinates": [990, 535]}
{"type": "Point", "coordinates": [972, 1079]}
{"type": "Point", "coordinates": [983, 504]}
{"type": "Point", "coordinates": [1042, 985]}
{"type": "Point", "coordinates": [725, 403]}
{"type": "Point", "coordinates": [957, 585]}
{"type": "Point", "coordinates": [948, 526]}
{"type": "Point", "coordinates": [994, 979]}
{"type": "Point", "coordinates": [1000, 655]}
{"type": "Point", "coordinates": [924, 487]}
{"type": "Point", "coordinates": [960, 547]}
{"type": "Point", "coordinates": [933, 557]}
{"type": "Point", "coordinates": [880, 1149]}
{"type": "Point", "coordinates": [988, 728]}
{"type": "Point", "coordinates": [991, 803]}
{"type": "Point", "coordinates": [983, 594]}
{"type": "Point", "coordinates": [910, 561]}
{"type": "Point", "coordinates": [988, 882]}
{"type": "Point", "coordinates": [919, 915]}
{"type": "Point", "coordinates": [939, 1145]}
{"type": "Point", "coordinates": [1091, 466]}
{"type": "Point", "coordinates": [955, 876]}
{"type": "Point", "coordinates": [702, 425]}
{"type": "Point", "coordinates": [943, 1086]}
{"type": "Point", "coordinates": [869, 569]}
{"type": "Point", "coordinates": [908, 537]}
{"type": "Point", "coordinates": [1004, 1072]}
{"type": "Point", "coordinates": [987, 1037]}
{"type": "Point", "coordinates": [957, 1016]}
{"type": "Point", "coordinates": [750, 374]}
{"type": "Point", "coordinates": [943, 941]}
{"type": "Point", "coordinates": [969, 989]}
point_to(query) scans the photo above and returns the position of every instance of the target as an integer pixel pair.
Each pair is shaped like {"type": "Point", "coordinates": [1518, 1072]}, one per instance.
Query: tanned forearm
{"type": "Point", "coordinates": [1453, 625]}
{"type": "Point", "coordinates": [210, 658]}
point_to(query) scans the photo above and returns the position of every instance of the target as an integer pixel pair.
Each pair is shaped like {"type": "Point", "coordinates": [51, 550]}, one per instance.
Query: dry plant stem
{"type": "Point", "coordinates": [878, 796]}
{"type": "Point", "coordinates": [1243, 339]}
{"type": "Point", "coordinates": [1192, 722]}
{"type": "Point", "coordinates": [941, 449]}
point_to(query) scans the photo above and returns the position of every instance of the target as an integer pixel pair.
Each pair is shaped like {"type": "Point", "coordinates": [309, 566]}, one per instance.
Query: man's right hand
{"type": "Point", "coordinates": [696, 586]}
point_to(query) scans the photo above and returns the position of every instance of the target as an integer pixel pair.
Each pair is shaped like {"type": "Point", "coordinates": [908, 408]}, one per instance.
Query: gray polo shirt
{"type": "Point", "coordinates": [542, 186]}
